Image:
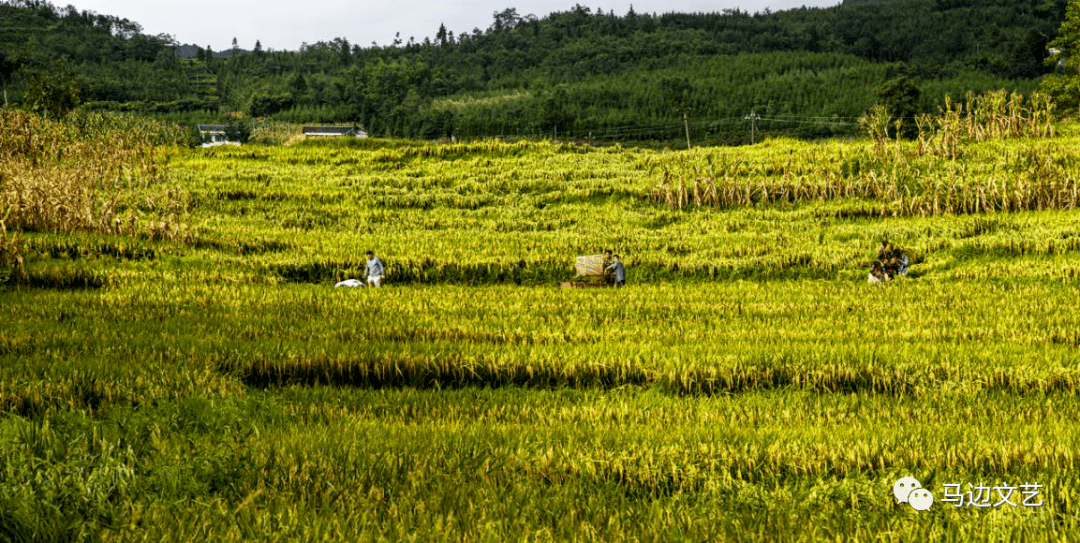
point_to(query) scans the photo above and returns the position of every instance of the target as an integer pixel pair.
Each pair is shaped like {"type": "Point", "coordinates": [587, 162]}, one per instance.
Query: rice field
{"type": "Point", "coordinates": [747, 384]}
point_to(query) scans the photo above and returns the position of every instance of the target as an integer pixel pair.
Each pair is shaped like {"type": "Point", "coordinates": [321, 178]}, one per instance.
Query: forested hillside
{"type": "Point", "coordinates": [806, 72]}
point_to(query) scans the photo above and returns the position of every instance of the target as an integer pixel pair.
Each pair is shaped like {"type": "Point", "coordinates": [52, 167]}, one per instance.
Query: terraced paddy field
{"type": "Point", "coordinates": [199, 377]}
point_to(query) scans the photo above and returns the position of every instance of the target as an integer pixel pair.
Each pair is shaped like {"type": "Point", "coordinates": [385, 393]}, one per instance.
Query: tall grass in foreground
{"type": "Point", "coordinates": [312, 463]}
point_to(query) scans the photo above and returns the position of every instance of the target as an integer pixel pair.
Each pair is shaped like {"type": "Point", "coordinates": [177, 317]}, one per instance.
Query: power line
{"type": "Point", "coordinates": [826, 123]}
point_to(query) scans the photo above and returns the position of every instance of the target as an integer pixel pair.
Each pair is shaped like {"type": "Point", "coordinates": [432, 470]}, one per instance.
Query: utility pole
{"type": "Point", "coordinates": [752, 117]}
{"type": "Point", "coordinates": [686, 122]}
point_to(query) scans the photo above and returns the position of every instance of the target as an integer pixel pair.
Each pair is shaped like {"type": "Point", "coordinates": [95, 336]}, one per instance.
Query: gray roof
{"type": "Point", "coordinates": [333, 130]}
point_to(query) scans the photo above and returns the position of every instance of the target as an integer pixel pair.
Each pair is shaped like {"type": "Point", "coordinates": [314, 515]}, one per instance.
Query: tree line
{"type": "Point", "coordinates": [807, 72]}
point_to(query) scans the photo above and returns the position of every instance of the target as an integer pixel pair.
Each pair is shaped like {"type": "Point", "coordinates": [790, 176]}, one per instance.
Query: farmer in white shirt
{"type": "Point", "coordinates": [374, 270]}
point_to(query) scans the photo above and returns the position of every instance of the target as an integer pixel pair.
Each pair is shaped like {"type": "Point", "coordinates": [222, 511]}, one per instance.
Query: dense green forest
{"type": "Point", "coordinates": [806, 72]}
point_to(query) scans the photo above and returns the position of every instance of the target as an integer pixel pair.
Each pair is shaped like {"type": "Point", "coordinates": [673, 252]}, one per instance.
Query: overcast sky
{"type": "Point", "coordinates": [285, 24]}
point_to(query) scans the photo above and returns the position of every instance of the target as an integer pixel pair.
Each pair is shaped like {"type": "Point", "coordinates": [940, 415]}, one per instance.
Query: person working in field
{"type": "Point", "coordinates": [618, 270]}
{"type": "Point", "coordinates": [877, 274]}
{"type": "Point", "coordinates": [374, 270]}
{"type": "Point", "coordinates": [891, 263]}
{"type": "Point", "coordinates": [608, 276]}
{"type": "Point", "coordinates": [893, 259]}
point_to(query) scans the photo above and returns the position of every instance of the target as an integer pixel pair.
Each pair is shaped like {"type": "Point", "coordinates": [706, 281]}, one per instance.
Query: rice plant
{"type": "Point", "coordinates": [747, 385]}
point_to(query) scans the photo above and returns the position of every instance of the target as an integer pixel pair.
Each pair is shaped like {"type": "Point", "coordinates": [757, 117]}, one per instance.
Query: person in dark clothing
{"type": "Point", "coordinates": [609, 278]}
{"type": "Point", "coordinates": [891, 263]}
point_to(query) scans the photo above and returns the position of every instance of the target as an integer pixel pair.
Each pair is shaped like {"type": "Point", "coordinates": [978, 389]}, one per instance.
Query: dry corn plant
{"type": "Point", "coordinates": [90, 172]}
{"type": "Point", "coordinates": [992, 115]}
{"type": "Point", "coordinates": [876, 124]}
{"type": "Point", "coordinates": [942, 173]}
{"type": "Point", "coordinates": [11, 260]}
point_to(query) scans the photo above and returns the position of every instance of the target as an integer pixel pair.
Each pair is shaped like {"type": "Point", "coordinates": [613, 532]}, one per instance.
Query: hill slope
{"type": "Point", "coordinates": [575, 73]}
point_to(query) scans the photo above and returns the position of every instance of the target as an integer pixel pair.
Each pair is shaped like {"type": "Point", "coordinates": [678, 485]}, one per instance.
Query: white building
{"type": "Point", "coordinates": [214, 135]}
